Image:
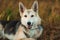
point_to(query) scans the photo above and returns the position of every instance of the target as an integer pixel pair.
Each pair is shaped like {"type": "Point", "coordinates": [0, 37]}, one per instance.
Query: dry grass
{"type": "Point", "coordinates": [49, 11]}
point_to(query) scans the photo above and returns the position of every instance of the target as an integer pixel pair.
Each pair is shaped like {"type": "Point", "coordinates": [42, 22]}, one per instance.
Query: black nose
{"type": "Point", "coordinates": [29, 23]}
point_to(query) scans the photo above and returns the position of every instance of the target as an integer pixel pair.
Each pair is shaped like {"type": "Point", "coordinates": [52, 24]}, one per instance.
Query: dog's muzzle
{"type": "Point", "coordinates": [29, 25]}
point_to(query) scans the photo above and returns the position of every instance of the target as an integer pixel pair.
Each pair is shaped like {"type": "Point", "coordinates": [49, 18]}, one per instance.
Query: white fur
{"type": "Point", "coordinates": [34, 20]}
{"type": "Point", "coordinates": [10, 37]}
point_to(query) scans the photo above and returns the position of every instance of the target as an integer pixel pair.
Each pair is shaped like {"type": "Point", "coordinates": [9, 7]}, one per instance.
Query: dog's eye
{"type": "Point", "coordinates": [25, 15]}
{"type": "Point", "coordinates": [32, 15]}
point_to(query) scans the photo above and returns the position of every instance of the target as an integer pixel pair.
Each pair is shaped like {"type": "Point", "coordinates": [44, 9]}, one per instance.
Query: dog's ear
{"type": "Point", "coordinates": [21, 7]}
{"type": "Point", "coordinates": [35, 6]}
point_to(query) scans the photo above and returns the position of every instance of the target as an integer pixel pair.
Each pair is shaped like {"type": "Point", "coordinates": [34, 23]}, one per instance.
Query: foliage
{"type": "Point", "coordinates": [9, 13]}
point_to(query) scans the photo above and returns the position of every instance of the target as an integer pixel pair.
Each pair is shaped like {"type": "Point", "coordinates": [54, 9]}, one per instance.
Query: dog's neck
{"type": "Point", "coordinates": [30, 32]}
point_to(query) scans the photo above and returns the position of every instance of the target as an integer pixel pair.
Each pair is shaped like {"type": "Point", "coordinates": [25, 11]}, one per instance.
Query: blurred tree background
{"type": "Point", "coordinates": [49, 11]}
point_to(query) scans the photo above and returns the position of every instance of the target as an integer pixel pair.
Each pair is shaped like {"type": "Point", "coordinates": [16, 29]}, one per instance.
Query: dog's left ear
{"type": "Point", "coordinates": [21, 7]}
{"type": "Point", "coordinates": [35, 6]}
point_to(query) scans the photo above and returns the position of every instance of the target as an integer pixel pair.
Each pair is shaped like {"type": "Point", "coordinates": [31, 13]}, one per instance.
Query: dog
{"type": "Point", "coordinates": [27, 28]}
{"type": "Point", "coordinates": [30, 28]}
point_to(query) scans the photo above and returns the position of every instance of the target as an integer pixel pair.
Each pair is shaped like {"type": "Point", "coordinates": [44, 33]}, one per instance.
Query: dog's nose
{"type": "Point", "coordinates": [29, 23]}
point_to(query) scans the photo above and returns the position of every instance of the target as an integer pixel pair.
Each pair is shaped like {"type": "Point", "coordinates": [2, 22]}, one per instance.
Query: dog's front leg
{"type": "Point", "coordinates": [28, 39]}
{"type": "Point", "coordinates": [19, 34]}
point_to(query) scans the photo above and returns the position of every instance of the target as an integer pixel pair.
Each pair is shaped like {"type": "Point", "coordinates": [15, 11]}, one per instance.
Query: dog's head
{"type": "Point", "coordinates": [29, 17]}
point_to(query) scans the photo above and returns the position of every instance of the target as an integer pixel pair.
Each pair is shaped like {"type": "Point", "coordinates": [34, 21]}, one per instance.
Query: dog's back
{"type": "Point", "coordinates": [8, 28]}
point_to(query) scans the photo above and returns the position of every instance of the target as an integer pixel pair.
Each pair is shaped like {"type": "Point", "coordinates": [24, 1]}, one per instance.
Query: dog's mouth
{"type": "Point", "coordinates": [29, 26]}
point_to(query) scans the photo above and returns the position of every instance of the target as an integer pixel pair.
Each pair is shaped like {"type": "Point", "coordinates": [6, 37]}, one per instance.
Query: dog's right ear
{"type": "Point", "coordinates": [35, 6]}
{"type": "Point", "coordinates": [21, 8]}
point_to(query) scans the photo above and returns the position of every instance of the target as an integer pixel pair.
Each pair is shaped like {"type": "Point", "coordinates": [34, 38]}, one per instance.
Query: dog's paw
{"type": "Point", "coordinates": [28, 39]}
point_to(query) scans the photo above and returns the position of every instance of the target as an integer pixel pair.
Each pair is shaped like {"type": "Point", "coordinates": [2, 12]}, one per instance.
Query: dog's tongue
{"type": "Point", "coordinates": [29, 27]}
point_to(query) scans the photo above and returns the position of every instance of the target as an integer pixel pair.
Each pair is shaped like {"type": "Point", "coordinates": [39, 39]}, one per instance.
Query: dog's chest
{"type": "Point", "coordinates": [33, 33]}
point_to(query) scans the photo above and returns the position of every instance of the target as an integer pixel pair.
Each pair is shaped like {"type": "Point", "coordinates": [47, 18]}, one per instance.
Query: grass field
{"type": "Point", "coordinates": [49, 11]}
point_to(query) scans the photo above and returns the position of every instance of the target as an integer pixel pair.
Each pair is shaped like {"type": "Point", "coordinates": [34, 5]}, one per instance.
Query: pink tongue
{"type": "Point", "coordinates": [29, 27]}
